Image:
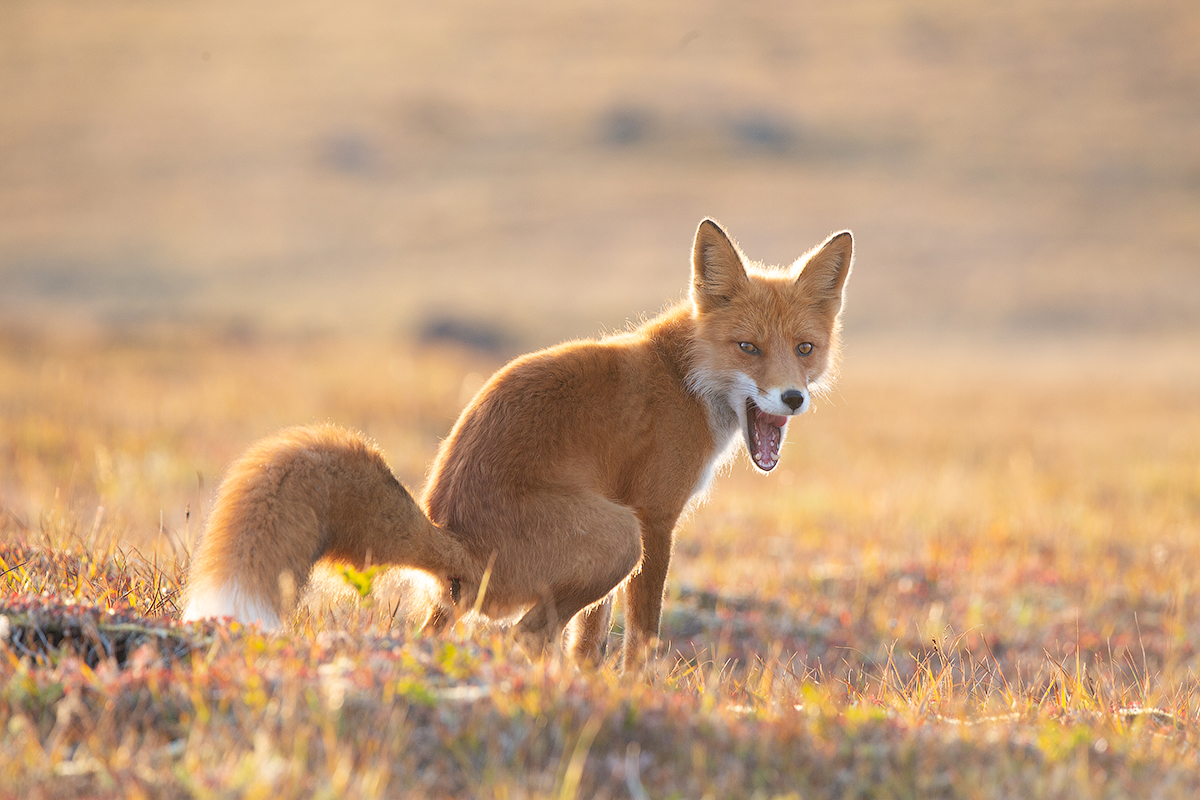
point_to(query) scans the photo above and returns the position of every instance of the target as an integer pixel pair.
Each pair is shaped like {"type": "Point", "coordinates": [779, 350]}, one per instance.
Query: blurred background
{"type": "Point", "coordinates": [517, 173]}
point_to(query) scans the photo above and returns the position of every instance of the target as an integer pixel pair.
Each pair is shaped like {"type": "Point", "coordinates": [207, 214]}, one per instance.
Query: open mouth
{"type": "Point", "coordinates": [764, 436]}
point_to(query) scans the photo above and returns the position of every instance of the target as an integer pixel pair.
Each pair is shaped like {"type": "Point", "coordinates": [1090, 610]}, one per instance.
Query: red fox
{"type": "Point", "coordinates": [563, 479]}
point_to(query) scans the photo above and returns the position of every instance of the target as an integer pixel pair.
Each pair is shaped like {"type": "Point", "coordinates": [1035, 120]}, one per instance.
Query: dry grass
{"type": "Point", "coordinates": [967, 578]}
{"type": "Point", "coordinates": [973, 573]}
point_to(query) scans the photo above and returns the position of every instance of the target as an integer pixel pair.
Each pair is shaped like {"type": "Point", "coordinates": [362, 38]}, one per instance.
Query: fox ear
{"type": "Point", "coordinates": [825, 270]}
{"type": "Point", "coordinates": [718, 272]}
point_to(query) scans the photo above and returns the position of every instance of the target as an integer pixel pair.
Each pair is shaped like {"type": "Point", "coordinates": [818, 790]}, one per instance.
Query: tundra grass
{"type": "Point", "coordinates": [971, 576]}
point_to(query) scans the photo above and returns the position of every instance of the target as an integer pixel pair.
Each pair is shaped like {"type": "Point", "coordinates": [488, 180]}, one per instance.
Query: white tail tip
{"type": "Point", "coordinates": [230, 600]}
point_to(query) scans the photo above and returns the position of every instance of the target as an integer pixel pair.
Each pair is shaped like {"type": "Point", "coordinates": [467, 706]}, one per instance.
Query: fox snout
{"type": "Point", "coordinates": [796, 400]}
{"type": "Point", "coordinates": [788, 402]}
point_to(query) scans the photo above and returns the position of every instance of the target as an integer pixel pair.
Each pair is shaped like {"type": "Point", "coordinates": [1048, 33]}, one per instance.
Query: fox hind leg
{"type": "Point", "coordinates": [597, 544]}
{"type": "Point", "coordinates": [587, 633]}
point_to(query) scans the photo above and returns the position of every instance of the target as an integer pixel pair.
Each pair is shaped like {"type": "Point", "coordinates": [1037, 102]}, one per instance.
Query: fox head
{"type": "Point", "coordinates": [767, 337]}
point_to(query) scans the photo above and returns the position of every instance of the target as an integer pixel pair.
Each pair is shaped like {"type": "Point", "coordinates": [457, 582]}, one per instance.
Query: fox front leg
{"type": "Point", "coordinates": [644, 596]}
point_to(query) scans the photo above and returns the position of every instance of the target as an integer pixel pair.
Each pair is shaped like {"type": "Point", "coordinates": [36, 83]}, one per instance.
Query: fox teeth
{"type": "Point", "coordinates": [764, 450]}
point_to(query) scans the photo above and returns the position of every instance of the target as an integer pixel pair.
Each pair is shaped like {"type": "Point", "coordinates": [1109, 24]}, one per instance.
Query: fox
{"type": "Point", "coordinates": [560, 486]}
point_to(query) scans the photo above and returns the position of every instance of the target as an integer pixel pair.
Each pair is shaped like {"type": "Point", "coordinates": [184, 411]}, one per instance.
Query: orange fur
{"type": "Point", "coordinates": [569, 470]}
{"type": "Point", "coordinates": [304, 494]}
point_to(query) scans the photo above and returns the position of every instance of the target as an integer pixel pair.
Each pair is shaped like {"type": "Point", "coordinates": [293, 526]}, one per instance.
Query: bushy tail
{"type": "Point", "coordinates": [301, 495]}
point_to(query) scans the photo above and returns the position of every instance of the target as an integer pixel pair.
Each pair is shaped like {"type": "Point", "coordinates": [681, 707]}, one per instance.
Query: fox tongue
{"type": "Point", "coordinates": [766, 437]}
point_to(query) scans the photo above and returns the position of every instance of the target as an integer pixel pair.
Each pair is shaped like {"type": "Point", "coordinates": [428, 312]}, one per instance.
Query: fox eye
{"type": "Point", "coordinates": [804, 348]}
{"type": "Point", "coordinates": [749, 349]}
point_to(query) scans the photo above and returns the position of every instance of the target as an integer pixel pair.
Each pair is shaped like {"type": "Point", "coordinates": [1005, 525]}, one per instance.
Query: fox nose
{"type": "Point", "coordinates": [793, 398]}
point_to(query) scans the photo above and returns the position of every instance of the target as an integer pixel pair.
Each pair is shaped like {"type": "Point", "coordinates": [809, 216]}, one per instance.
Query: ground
{"type": "Point", "coordinates": [966, 578]}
